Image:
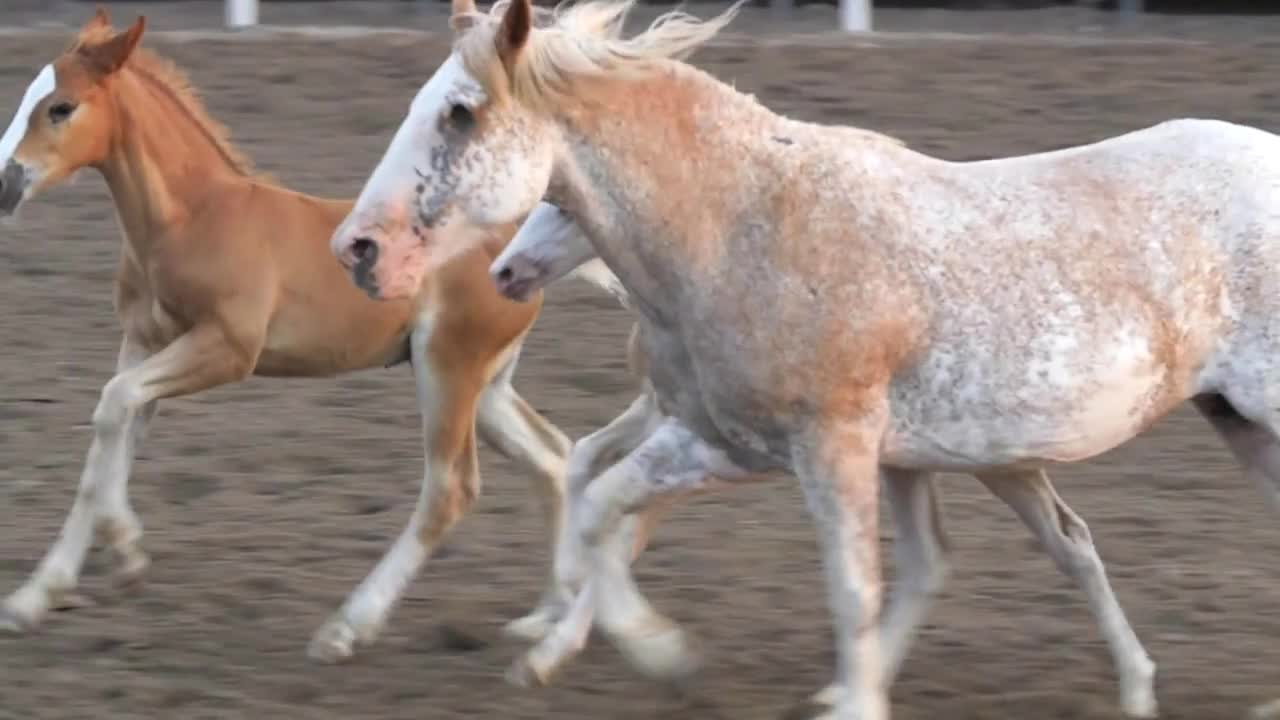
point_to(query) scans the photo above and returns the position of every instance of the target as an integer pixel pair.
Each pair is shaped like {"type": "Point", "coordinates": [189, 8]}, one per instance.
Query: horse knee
{"type": "Point", "coordinates": [1075, 551]}
{"type": "Point", "coordinates": [581, 465]}
{"type": "Point", "coordinates": [447, 504]}
{"type": "Point", "coordinates": [117, 400]}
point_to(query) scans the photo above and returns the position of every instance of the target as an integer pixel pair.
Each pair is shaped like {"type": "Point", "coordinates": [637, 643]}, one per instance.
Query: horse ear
{"type": "Point", "coordinates": [462, 16]}
{"type": "Point", "coordinates": [517, 22]}
{"type": "Point", "coordinates": [108, 57]}
{"type": "Point", "coordinates": [101, 19]}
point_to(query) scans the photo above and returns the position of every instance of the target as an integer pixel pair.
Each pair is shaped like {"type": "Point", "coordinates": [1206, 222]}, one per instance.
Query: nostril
{"type": "Point", "coordinates": [505, 274]}
{"type": "Point", "coordinates": [363, 247]}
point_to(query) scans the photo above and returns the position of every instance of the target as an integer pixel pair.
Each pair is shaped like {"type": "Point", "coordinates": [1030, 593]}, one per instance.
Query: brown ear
{"type": "Point", "coordinates": [517, 21]}
{"type": "Point", "coordinates": [101, 19]}
{"type": "Point", "coordinates": [108, 56]}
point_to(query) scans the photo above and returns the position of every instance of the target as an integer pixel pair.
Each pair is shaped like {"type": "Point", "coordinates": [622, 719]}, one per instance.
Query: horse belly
{"type": "Point", "coordinates": [988, 424]}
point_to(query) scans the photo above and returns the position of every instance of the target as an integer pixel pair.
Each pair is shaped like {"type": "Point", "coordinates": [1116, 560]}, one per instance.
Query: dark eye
{"type": "Point", "coordinates": [60, 111]}
{"type": "Point", "coordinates": [461, 117]}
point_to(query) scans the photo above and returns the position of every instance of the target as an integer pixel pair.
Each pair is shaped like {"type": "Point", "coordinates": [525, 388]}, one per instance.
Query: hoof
{"type": "Point", "coordinates": [1138, 694]}
{"type": "Point", "coordinates": [130, 576]}
{"type": "Point", "coordinates": [523, 674]}
{"type": "Point", "coordinates": [14, 624]}
{"type": "Point", "coordinates": [662, 653]}
{"type": "Point", "coordinates": [1145, 707]}
{"type": "Point", "coordinates": [333, 643]}
{"type": "Point", "coordinates": [532, 627]}
{"type": "Point", "coordinates": [821, 712]}
{"type": "Point", "coordinates": [23, 611]}
{"type": "Point", "coordinates": [69, 600]}
{"type": "Point", "coordinates": [827, 696]}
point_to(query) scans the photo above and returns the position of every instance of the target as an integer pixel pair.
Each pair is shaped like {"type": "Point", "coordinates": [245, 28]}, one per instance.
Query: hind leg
{"type": "Point", "coordinates": [1254, 444]}
{"type": "Point", "coordinates": [207, 356]}
{"type": "Point", "coordinates": [1066, 538]}
{"type": "Point", "coordinates": [568, 634]}
{"type": "Point", "coordinates": [101, 507]}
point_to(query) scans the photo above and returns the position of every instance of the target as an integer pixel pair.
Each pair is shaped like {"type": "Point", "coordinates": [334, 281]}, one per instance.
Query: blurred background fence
{"type": "Point", "coordinates": [828, 15]}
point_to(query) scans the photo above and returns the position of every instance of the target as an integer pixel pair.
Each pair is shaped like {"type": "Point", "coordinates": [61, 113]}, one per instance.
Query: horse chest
{"type": "Point", "coordinates": [144, 316]}
{"type": "Point", "coordinates": [733, 420]}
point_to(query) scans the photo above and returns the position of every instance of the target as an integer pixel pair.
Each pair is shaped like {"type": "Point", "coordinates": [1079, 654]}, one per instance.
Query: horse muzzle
{"type": "Point", "coordinates": [14, 181]}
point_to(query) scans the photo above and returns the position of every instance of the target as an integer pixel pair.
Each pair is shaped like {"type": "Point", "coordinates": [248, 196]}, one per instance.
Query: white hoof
{"type": "Point", "coordinates": [13, 623]}
{"type": "Point", "coordinates": [133, 567]}
{"type": "Point", "coordinates": [24, 610]}
{"type": "Point", "coordinates": [69, 600]}
{"type": "Point", "coordinates": [1138, 693]}
{"type": "Point", "coordinates": [532, 627]}
{"type": "Point", "coordinates": [660, 651]}
{"type": "Point", "coordinates": [828, 696]}
{"type": "Point", "coordinates": [334, 642]}
{"type": "Point", "coordinates": [525, 673]}
{"type": "Point", "coordinates": [1142, 706]}
{"type": "Point", "coordinates": [874, 712]}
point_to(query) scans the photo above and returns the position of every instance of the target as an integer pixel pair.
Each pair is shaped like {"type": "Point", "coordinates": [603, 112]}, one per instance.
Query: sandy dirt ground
{"type": "Point", "coordinates": [266, 502]}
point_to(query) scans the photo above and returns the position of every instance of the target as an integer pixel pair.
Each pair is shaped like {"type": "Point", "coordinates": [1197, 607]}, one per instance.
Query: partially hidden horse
{"type": "Point", "coordinates": [224, 274]}
{"type": "Point", "coordinates": [826, 302]}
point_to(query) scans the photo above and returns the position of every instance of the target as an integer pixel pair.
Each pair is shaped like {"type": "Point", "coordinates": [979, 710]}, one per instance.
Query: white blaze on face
{"type": "Point", "coordinates": [411, 146]}
{"type": "Point", "coordinates": [40, 88]}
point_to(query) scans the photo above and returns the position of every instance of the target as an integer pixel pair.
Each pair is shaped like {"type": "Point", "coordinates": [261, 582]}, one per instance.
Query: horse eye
{"type": "Point", "coordinates": [61, 111]}
{"type": "Point", "coordinates": [461, 117]}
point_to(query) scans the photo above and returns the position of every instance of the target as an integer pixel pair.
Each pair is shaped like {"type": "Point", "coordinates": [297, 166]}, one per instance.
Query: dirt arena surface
{"type": "Point", "coordinates": [265, 503]}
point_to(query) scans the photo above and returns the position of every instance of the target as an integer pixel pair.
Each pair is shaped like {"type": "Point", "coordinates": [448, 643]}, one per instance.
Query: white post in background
{"type": "Point", "coordinates": [242, 13]}
{"type": "Point", "coordinates": [855, 15]}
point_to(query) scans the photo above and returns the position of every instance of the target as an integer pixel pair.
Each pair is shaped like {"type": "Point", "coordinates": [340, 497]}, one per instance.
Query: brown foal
{"type": "Point", "coordinates": [224, 274]}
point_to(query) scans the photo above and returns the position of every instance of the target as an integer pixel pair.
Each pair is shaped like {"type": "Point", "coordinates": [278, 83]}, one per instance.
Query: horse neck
{"type": "Point", "coordinates": [672, 160]}
{"type": "Point", "coordinates": [160, 164]}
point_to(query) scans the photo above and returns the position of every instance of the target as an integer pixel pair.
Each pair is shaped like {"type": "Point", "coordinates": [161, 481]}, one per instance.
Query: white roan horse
{"type": "Point", "coordinates": [550, 245]}
{"type": "Point", "coordinates": [825, 302]}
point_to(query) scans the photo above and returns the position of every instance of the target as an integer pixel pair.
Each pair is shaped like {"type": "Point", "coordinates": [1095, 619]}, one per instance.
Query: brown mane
{"type": "Point", "coordinates": [166, 77]}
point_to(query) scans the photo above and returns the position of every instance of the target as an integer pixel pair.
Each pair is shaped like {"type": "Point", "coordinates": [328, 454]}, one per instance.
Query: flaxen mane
{"type": "Point", "coordinates": [585, 40]}
{"type": "Point", "coordinates": [166, 77]}
{"type": "Point", "coordinates": [579, 41]}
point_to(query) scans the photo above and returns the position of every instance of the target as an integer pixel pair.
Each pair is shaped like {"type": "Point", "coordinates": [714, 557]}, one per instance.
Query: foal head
{"type": "Point", "coordinates": [548, 246]}
{"type": "Point", "coordinates": [64, 120]}
{"type": "Point", "coordinates": [481, 142]}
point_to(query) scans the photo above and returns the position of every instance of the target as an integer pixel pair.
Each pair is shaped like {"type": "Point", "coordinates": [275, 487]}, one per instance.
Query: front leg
{"type": "Point", "coordinates": [672, 462]}
{"type": "Point", "coordinates": [568, 635]}
{"type": "Point", "coordinates": [447, 396]}
{"type": "Point", "coordinates": [201, 359]}
{"type": "Point", "coordinates": [921, 548]}
{"type": "Point", "coordinates": [839, 470]}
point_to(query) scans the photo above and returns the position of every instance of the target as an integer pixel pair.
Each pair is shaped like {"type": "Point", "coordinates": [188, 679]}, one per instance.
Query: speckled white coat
{"type": "Point", "coordinates": [826, 302]}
